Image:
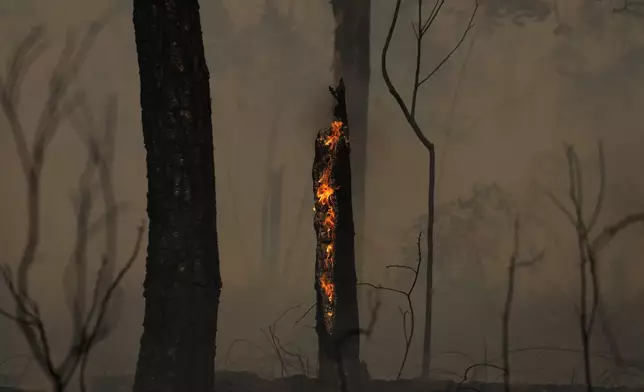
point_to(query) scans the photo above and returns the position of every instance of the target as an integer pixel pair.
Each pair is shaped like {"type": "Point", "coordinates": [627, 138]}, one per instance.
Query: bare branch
{"type": "Point", "coordinates": [304, 315]}
{"type": "Point", "coordinates": [609, 232]}
{"type": "Point", "coordinates": [408, 326]}
{"type": "Point", "coordinates": [381, 287]}
{"type": "Point", "coordinates": [575, 182]}
{"type": "Point", "coordinates": [409, 113]}
{"type": "Point", "coordinates": [532, 261]}
{"type": "Point", "coordinates": [469, 27]}
{"type": "Point", "coordinates": [280, 349]}
{"type": "Point", "coordinates": [561, 207]}
{"type": "Point", "coordinates": [589, 248]}
{"type": "Point", "coordinates": [438, 4]}
{"type": "Point", "coordinates": [459, 386]}
{"type": "Point", "coordinates": [392, 89]}
{"type": "Point", "coordinates": [513, 265]}
{"type": "Point", "coordinates": [89, 325]}
{"type": "Point", "coordinates": [602, 187]}
{"type": "Point", "coordinates": [24, 55]}
{"type": "Point", "coordinates": [507, 310]}
{"type": "Point", "coordinates": [401, 267]}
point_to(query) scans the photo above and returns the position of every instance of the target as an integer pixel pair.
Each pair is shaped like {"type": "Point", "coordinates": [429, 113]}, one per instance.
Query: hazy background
{"type": "Point", "coordinates": [525, 80]}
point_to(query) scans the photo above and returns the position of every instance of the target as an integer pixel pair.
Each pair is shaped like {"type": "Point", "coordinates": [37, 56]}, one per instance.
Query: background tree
{"type": "Point", "coordinates": [183, 283]}
{"type": "Point", "coordinates": [421, 27]}
{"type": "Point", "coordinates": [275, 28]}
{"type": "Point", "coordinates": [351, 62]}
{"type": "Point", "coordinates": [91, 322]}
{"type": "Point", "coordinates": [513, 265]}
{"type": "Point", "coordinates": [590, 242]}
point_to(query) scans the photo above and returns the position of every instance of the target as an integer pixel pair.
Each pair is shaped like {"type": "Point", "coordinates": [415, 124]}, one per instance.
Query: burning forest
{"type": "Point", "coordinates": [436, 237]}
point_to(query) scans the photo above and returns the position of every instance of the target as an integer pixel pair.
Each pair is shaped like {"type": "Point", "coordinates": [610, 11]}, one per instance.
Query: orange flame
{"type": "Point", "coordinates": [325, 204]}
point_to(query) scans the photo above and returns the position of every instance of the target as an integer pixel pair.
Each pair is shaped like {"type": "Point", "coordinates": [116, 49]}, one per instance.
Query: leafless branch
{"type": "Point", "coordinates": [299, 319]}
{"type": "Point", "coordinates": [408, 324]}
{"type": "Point", "coordinates": [90, 325]}
{"type": "Point", "coordinates": [278, 353]}
{"type": "Point", "coordinates": [410, 117]}
{"type": "Point", "coordinates": [402, 267]}
{"type": "Point", "coordinates": [609, 232]}
{"type": "Point", "coordinates": [281, 350]}
{"type": "Point", "coordinates": [555, 200]}
{"type": "Point", "coordinates": [271, 337]}
{"type": "Point", "coordinates": [589, 247]}
{"type": "Point", "coordinates": [470, 368]}
{"type": "Point", "coordinates": [421, 28]}
{"type": "Point", "coordinates": [509, 299]}
{"type": "Point", "coordinates": [470, 25]}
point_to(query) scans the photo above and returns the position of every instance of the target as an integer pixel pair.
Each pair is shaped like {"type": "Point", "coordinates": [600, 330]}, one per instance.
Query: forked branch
{"type": "Point", "coordinates": [589, 247]}
{"type": "Point", "coordinates": [514, 264]}
{"type": "Point", "coordinates": [408, 315]}
{"type": "Point", "coordinates": [90, 323]}
{"type": "Point", "coordinates": [421, 27]}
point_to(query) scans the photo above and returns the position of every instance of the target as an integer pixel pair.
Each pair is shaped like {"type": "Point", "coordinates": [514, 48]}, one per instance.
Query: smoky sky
{"type": "Point", "coordinates": [530, 76]}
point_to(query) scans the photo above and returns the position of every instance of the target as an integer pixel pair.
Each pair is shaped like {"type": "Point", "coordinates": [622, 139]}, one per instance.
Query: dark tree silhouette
{"type": "Point", "coordinates": [352, 63]}
{"type": "Point", "coordinates": [182, 283]}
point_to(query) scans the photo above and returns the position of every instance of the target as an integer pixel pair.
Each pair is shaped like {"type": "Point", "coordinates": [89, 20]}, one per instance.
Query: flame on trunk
{"type": "Point", "coordinates": [326, 217]}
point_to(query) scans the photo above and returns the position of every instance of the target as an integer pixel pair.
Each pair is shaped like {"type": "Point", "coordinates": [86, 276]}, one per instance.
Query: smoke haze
{"type": "Point", "coordinates": [528, 78]}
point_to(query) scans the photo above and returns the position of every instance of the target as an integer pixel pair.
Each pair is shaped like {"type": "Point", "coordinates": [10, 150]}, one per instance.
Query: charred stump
{"type": "Point", "coordinates": [337, 321]}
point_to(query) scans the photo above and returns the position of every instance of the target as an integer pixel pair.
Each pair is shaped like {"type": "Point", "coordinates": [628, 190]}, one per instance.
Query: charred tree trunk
{"type": "Point", "coordinates": [337, 321]}
{"type": "Point", "coordinates": [352, 62]}
{"type": "Point", "coordinates": [182, 283]}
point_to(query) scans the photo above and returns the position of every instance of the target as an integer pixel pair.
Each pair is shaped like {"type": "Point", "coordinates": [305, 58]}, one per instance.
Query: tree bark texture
{"type": "Point", "coordinates": [352, 63]}
{"type": "Point", "coordinates": [338, 336]}
{"type": "Point", "coordinates": [182, 283]}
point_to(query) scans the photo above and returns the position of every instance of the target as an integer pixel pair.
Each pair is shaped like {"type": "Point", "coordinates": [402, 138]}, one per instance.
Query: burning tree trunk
{"type": "Point", "coordinates": [337, 322]}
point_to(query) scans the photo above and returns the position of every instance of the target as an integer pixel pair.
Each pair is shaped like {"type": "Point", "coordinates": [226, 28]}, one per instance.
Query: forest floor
{"type": "Point", "coordinates": [249, 382]}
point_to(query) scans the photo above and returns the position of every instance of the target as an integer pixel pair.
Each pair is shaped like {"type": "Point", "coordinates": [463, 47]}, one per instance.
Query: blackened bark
{"type": "Point", "coordinates": [339, 351]}
{"type": "Point", "coordinates": [352, 63]}
{"type": "Point", "coordinates": [182, 283]}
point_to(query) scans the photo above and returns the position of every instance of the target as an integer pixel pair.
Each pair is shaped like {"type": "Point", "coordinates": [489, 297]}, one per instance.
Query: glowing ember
{"type": "Point", "coordinates": [326, 213]}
